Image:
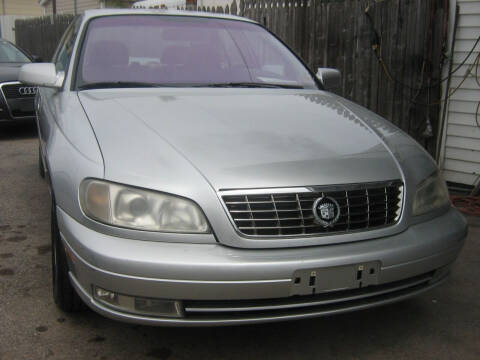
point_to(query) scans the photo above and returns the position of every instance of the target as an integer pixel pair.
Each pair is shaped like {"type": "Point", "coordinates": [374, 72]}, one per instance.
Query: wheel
{"type": "Point", "coordinates": [64, 294]}
{"type": "Point", "coordinates": [41, 168]}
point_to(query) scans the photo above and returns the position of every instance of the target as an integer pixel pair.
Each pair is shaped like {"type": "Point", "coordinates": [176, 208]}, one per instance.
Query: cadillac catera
{"type": "Point", "coordinates": [201, 174]}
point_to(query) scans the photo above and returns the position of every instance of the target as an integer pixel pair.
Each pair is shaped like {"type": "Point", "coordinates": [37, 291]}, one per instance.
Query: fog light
{"type": "Point", "coordinates": [138, 305]}
{"type": "Point", "coordinates": [158, 307]}
{"type": "Point", "coordinates": [105, 295]}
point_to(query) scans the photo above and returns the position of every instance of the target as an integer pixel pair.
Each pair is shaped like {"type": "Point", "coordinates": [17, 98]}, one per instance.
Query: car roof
{"type": "Point", "coordinates": [112, 12]}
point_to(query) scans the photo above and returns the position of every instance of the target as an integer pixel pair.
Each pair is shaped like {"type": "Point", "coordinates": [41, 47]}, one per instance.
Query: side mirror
{"type": "Point", "coordinates": [37, 59]}
{"type": "Point", "coordinates": [330, 78]}
{"type": "Point", "coordinates": [43, 74]}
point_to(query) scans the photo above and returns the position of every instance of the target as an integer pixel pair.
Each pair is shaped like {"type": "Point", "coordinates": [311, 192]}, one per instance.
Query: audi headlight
{"type": "Point", "coordinates": [431, 194]}
{"type": "Point", "coordinates": [134, 208]}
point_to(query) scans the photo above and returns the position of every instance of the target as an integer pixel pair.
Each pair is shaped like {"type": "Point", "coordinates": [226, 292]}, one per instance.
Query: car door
{"type": "Point", "coordinates": [49, 99]}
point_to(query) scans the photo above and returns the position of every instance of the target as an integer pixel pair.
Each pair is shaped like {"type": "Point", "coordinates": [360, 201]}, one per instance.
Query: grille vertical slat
{"type": "Point", "coordinates": [271, 214]}
{"type": "Point", "coordinates": [302, 216]}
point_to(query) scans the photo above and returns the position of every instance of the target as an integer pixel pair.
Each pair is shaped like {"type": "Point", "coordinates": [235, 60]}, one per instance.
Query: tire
{"type": "Point", "coordinates": [64, 294]}
{"type": "Point", "coordinates": [41, 168]}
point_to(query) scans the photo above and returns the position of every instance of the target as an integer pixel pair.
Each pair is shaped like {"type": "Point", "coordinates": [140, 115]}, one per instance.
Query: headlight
{"type": "Point", "coordinates": [129, 207]}
{"type": "Point", "coordinates": [431, 194]}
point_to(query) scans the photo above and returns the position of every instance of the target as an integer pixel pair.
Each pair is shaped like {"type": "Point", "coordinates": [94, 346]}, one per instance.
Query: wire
{"type": "Point", "coordinates": [377, 49]}
{"type": "Point", "coordinates": [477, 80]}
{"type": "Point", "coordinates": [477, 120]}
{"type": "Point", "coordinates": [413, 100]}
{"type": "Point", "coordinates": [376, 44]}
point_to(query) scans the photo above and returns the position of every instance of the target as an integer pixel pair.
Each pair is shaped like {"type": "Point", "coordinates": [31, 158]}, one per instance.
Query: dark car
{"type": "Point", "coordinates": [16, 100]}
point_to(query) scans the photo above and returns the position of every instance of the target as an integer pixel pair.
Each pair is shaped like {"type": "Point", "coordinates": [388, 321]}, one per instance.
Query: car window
{"type": "Point", "coordinates": [64, 52]}
{"type": "Point", "coordinates": [9, 53]}
{"type": "Point", "coordinates": [184, 50]}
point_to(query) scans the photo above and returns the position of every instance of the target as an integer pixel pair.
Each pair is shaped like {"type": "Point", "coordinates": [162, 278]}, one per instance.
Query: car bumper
{"type": "Point", "coordinates": [219, 285]}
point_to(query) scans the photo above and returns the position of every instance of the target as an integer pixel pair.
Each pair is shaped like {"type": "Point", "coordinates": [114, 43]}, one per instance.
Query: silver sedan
{"type": "Point", "coordinates": [201, 174]}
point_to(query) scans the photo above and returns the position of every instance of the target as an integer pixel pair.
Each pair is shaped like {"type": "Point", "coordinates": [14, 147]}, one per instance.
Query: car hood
{"type": "Point", "coordinates": [239, 138]}
{"type": "Point", "coordinates": [9, 71]}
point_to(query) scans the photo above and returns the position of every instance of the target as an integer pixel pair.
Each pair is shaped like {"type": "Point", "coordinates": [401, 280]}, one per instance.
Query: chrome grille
{"type": "Point", "coordinates": [362, 207]}
{"type": "Point", "coordinates": [12, 91]}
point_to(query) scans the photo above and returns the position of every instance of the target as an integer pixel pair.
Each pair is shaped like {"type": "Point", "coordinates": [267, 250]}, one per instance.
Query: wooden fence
{"type": "Point", "coordinates": [40, 36]}
{"type": "Point", "coordinates": [390, 52]}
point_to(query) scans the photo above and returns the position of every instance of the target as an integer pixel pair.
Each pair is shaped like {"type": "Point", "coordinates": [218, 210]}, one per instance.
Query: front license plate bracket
{"type": "Point", "coordinates": [322, 280]}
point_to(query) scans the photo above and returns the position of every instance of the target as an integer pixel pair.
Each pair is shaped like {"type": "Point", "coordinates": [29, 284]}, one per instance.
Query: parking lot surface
{"type": "Point", "coordinates": [441, 324]}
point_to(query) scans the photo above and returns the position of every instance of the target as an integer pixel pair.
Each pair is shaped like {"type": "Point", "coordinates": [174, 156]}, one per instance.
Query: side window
{"type": "Point", "coordinates": [64, 52]}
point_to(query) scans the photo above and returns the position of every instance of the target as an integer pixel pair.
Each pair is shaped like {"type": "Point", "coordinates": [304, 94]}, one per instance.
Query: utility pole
{"type": "Point", "coordinates": [54, 7]}
{"type": "Point", "coordinates": [75, 7]}
{"type": "Point", "coordinates": [3, 7]}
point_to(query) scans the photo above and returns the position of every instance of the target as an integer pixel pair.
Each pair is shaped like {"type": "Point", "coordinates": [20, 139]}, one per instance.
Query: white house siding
{"type": "Point", "coordinates": [460, 156]}
{"type": "Point", "coordinates": [215, 3]}
{"type": "Point", "coordinates": [68, 6]}
{"type": "Point", "coordinates": [170, 4]}
{"type": "Point", "coordinates": [20, 7]}
{"type": "Point", "coordinates": [7, 26]}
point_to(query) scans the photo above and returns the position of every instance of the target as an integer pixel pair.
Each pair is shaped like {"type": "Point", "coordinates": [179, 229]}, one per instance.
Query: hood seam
{"type": "Point", "coordinates": [169, 144]}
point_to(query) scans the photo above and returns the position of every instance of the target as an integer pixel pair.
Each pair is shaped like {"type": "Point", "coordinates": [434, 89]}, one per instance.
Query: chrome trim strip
{"type": "Point", "coordinates": [308, 188]}
{"type": "Point", "coordinates": [6, 101]}
{"type": "Point", "coordinates": [309, 304]}
{"type": "Point", "coordinates": [261, 191]}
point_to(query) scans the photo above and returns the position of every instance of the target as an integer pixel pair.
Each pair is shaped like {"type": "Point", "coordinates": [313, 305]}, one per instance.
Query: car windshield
{"type": "Point", "coordinates": [10, 54]}
{"type": "Point", "coordinates": [136, 50]}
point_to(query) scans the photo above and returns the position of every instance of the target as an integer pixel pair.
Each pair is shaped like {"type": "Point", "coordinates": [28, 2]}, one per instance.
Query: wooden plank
{"type": "Point", "coordinates": [305, 40]}
{"type": "Point", "coordinates": [334, 42]}
{"type": "Point", "coordinates": [382, 24]}
{"type": "Point", "coordinates": [323, 41]}
{"type": "Point", "coordinates": [362, 56]}
{"type": "Point", "coordinates": [439, 45]}
{"type": "Point", "coordinates": [275, 17]}
{"type": "Point", "coordinates": [376, 72]}
{"type": "Point", "coordinates": [393, 38]}
{"type": "Point", "coordinates": [401, 103]}
{"type": "Point", "coordinates": [348, 29]}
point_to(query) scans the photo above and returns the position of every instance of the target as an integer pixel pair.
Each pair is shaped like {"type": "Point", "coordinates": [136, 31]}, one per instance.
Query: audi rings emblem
{"type": "Point", "coordinates": [28, 90]}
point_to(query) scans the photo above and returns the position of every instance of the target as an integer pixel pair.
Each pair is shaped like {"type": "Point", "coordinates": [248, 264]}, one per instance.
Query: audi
{"type": "Point", "coordinates": [16, 100]}
{"type": "Point", "coordinates": [201, 174]}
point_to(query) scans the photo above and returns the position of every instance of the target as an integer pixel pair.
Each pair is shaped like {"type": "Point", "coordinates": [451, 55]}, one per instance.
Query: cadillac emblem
{"type": "Point", "coordinates": [326, 211]}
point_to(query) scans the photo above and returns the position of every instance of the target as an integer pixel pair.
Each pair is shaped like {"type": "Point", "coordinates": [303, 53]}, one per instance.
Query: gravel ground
{"type": "Point", "coordinates": [441, 324]}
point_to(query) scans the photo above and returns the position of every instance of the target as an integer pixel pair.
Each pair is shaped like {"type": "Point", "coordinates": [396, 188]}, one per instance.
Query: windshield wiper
{"type": "Point", "coordinates": [117, 84]}
{"type": "Point", "coordinates": [137, 84]}
{"type": "Point", "coordinates": [251, 85]}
